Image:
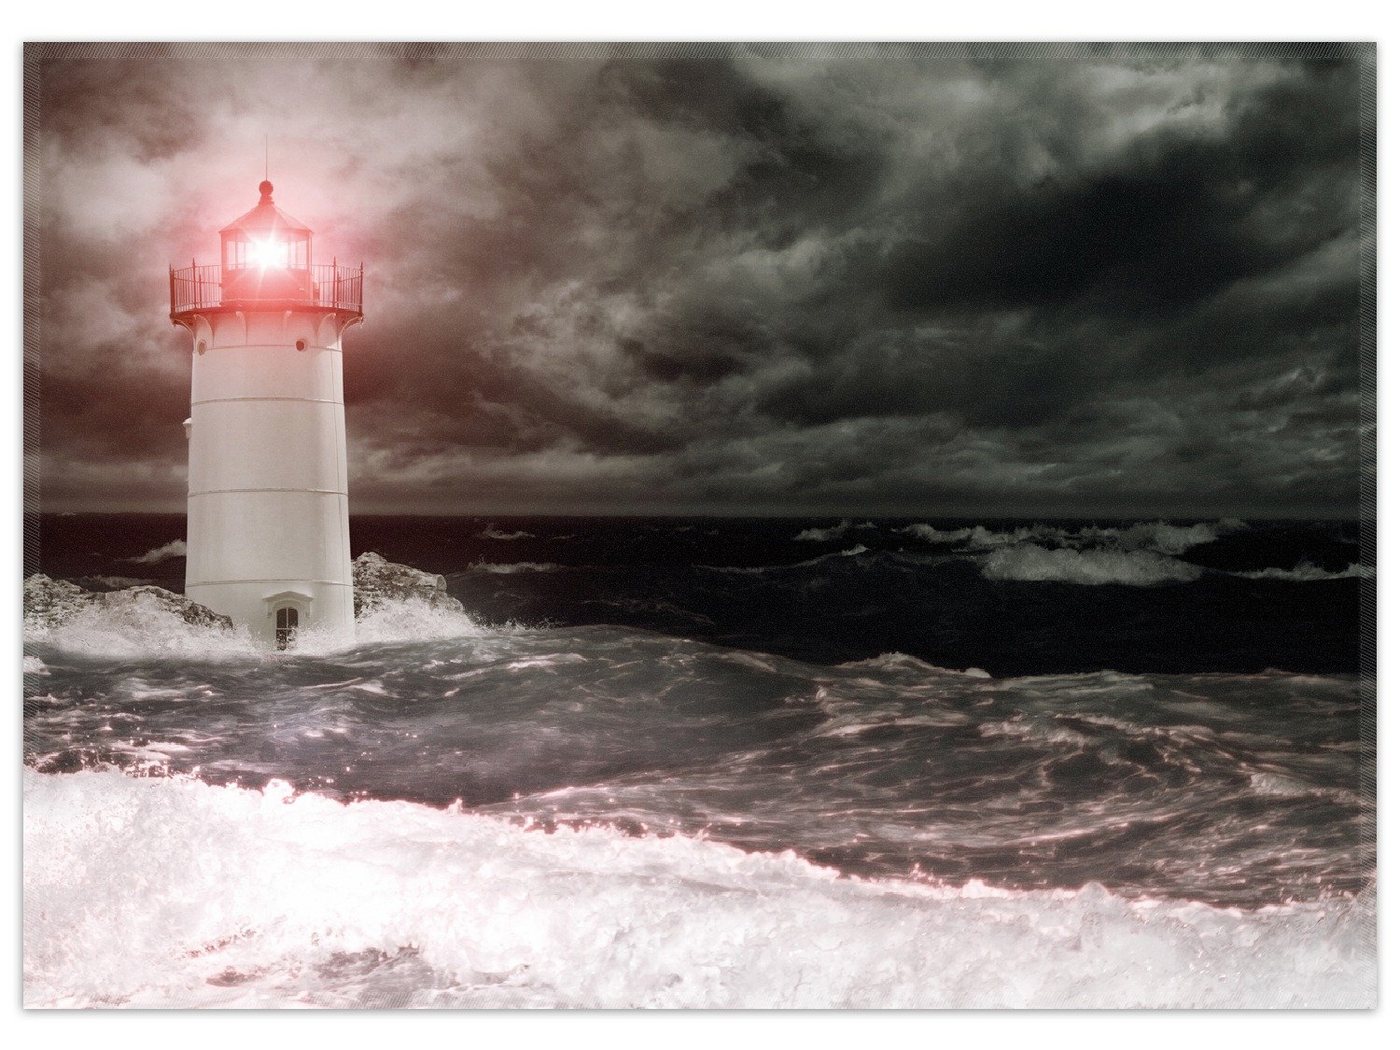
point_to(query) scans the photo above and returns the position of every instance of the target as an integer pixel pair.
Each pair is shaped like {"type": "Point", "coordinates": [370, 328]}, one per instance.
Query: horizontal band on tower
{"type": "Point", "coordinates": [312, 400]}
{"type": "Point", "coordinates": [271, 346]}
{"type": "Point", "coordinates": [274, 579]}
{"type": "Point", "coordinates": [314, 492]}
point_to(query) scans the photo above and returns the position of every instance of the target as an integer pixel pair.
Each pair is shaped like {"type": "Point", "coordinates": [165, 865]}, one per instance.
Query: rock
{"type": "Point", "coordinates": [158, 599]}
{"type": "Point", "coordinates": [50, 603]}
{"type": "Point", "coordinates": [109, 583]}
{"type": "Point", "coordinates": [378, 581]}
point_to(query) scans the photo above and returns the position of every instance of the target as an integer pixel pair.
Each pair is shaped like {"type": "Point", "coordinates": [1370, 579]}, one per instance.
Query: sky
{"type": "Point", "coordinates": [953, 281]}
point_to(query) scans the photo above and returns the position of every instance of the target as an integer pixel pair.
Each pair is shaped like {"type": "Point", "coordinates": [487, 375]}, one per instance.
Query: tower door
{"type": "Point", "coordinates": [287, 618]}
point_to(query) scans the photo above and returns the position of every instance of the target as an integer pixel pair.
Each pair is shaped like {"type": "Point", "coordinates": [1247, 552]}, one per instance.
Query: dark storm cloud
{"type": "Point", "coordinates": [1167, 220]}
{"type": "Point", "coordinates": [768, 279]}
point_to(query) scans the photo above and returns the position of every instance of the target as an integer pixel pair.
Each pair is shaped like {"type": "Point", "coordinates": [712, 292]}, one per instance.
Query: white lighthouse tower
{"type": "Point", "coordinates": [268, 512]}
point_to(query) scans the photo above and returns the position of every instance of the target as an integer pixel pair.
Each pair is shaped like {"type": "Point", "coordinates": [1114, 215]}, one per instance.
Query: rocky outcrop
{"type": "Point", "coordinates": [161, 600]}
{"type": "Point", "coordinates": [378, 581]}
{"type": "Point", "coordinates": [50, 603]}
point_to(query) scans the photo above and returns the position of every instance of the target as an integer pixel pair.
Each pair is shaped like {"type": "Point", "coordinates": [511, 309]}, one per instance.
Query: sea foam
{"type": "Point", "coordinates": [1160, 536]}
{"type": "Point", "coordinates": [1306, 572]}
{"type": "Point", "coordinates": [1138, 568]}
{"type": "Point", "coordinates": [141, 629]}
{"type": "Point", "coordinates": [816, 534]}
{"type": "Point", "coordinates": [165, 552]}
{"type": "Point", "coordinates": [140, 626]}
{"type": "Point", "coordinates": [166, 892]}
{"type": "Point", "coordinates": [413, 620]}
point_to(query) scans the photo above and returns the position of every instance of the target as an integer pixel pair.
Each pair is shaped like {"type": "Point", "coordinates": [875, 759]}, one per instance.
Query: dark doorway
{"type": "Point", "coordinates": [286, 627]}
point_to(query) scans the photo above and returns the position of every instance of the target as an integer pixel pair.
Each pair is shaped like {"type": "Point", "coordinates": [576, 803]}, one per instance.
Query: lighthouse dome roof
{"type": "Point", "coordinates": [266, 217]}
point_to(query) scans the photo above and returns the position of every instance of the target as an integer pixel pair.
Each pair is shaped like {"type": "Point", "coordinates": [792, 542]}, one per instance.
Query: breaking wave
{"type": "Point", "coordinates": [1306, 572]}
{"type": "Point", "coordinates": [415, 620]}
{"type": "Point", "coordinates": [1137, 568]}
{"type": "Point", "coordinates": [757, 570]}
{"type": "Point", "coordinates": [976, 536]}
{"type": "Point", "coordinates": [137, 627]}
{"type": "Point", "coordinates": [1159, 536]}
{"type": "Point", "coordinates": [173, 549]}
{"type": "Point", "coordinates": [142, 628]}
{"type": "Point", "coordinates": [1139, 555]}
{"type": "Point", "coordinates": [816, 534]}
{"type": "Point", "coordinates": [1164, 538]}
{"type": "Point", "coordinates": [261, 898]}
{"type": "Point", "coordinates": [491, 532]}
{"type": "Point", "coordinates": [506, 568]}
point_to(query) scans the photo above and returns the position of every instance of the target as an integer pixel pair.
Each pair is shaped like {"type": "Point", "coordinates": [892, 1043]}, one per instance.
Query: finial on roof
{"type": "Point", "coordinates": [265, 188]}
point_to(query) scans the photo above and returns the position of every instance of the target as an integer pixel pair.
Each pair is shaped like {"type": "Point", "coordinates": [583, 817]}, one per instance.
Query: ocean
{"type": "Point", "coordinates": [720, 763]}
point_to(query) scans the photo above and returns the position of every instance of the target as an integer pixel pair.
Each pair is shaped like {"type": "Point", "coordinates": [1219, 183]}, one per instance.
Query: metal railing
{"type": "Point", "coordinates": [339, 287]}
{"type": "Point", "coordinates": [333, 286]}
{"type": "Point", "coordinates": [195, 288]}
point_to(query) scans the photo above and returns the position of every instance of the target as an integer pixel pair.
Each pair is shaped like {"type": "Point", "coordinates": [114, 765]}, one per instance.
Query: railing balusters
{"type": "Point", "coordinates": [201, 287]}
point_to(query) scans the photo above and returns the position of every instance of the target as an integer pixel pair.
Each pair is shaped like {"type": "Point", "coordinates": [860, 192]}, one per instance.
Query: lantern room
{"type": "Point", "coordinates": [266, 254]}
{"type": "Point", "coordinates": [264, 261]}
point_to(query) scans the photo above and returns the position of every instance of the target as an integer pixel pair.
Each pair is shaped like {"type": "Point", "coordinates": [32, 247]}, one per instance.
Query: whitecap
{"type": "Point", "coordinates": [164, 892]}
{"type": "Point", "coordinates": [413, 620]}
{"type": "Point", "coordinates": [173, 549]}
{"type": "Point", "coordinates": [1307, 572]}
{"type": "Point", "coordinates": [901, 662]}
{"type": "Point", "coordinates": [142, 626]}
{"type": "Point", "coordinates": [1159, 536]}
{"type": "Point", "coordinates": [493, 533]}
{"type": "Point", "coordinates": [1137, 568]}
{"type": "Point", "coordinates": [506, 568]}
{"type": "Point", "coordinates": [816, 534]}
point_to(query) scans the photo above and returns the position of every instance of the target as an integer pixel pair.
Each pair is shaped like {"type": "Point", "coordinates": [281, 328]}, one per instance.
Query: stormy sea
{"type": "Point", "coordinates": [718, 763]}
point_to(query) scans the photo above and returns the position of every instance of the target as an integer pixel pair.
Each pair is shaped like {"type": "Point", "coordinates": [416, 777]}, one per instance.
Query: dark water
{"type": "Point", "coordinates": [1271, 595]}
{"type": "Point", "coordinates": [1220, 788]}
{"type": "Point", "coordinates": [1172, 712]}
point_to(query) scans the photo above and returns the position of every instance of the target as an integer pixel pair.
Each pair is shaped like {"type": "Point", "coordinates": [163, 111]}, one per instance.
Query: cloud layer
{"type": "Point", "coordinates": [738, 279]}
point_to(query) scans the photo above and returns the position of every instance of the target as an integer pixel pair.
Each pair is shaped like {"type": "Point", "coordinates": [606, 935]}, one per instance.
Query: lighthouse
{"type": "Point", "coordinates": [268, 517]}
